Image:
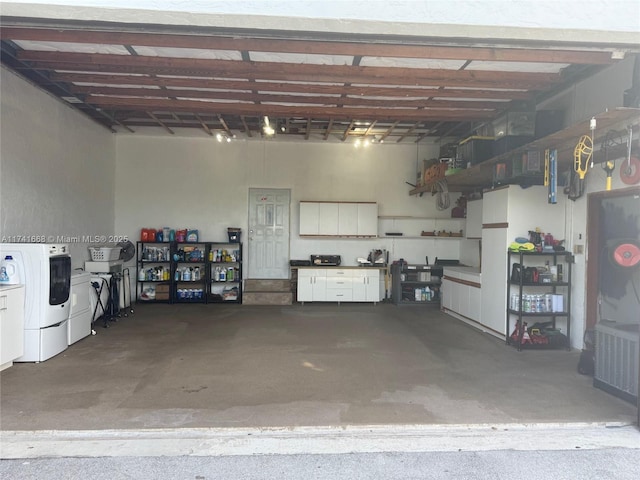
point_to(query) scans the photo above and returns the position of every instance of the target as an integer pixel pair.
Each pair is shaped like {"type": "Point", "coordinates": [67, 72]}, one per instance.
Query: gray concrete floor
{"type": "Point", "coordinates": [171, 366]}
{"type": "Point", "coordinates": [609, 464]}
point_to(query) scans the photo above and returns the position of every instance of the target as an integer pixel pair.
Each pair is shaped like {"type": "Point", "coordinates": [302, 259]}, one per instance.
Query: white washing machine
{"type": "Point", "coordinates": [45, 270]}
{"type": "Point", "coordinates": [80, 312]}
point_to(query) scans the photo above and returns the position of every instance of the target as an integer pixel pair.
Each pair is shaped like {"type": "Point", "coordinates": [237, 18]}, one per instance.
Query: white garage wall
{"type": "Point", "coordinates": [200, 183]}
{"type": "Point", "coordinates": [57, 169]}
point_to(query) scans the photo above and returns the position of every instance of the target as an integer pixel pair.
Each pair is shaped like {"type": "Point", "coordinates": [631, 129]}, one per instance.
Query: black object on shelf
{"type": "Point", "coordinates": [546, 298]}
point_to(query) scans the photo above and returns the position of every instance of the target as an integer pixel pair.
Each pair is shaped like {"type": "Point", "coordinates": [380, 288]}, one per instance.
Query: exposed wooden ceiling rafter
{"type": "Point", "coordinates": [347, 130]}
{"type": "Point", "coordinates": [161, 123]}
{"type": "Point", "coordinates": [307, 88]}
{"type": "Point", "coordinates": [301, 99]}
{"type": "Point", "coordinates": [205, 127]}
{"type": "Point", "coordinates": [389, 130]}
{"type": "Point", "coordinates": [374, 49]}
{"type": "Point", "coordinates": [327, 132]}
{"type": "Point", "coordinates": [129, 103]}
{"type": "Point", "coordinates": [224, 125]}
{"type": "Point", "coordinates": [308, 129]}
{"type": "Point", "coordinates": [320, 85]}
{"type": "Point", "coordinates": [408, 132]}
{"type": "Point", "coordinates": [286, 71]}
{"type": "Point", "coordinates": [247, 130]}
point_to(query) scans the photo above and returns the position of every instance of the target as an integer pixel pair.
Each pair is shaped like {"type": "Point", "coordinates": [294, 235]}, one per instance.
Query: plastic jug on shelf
{"type": "Point", "coordinates": [9, 274]}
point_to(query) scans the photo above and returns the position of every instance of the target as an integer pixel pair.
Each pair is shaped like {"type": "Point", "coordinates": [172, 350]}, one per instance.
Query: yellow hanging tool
{"type": "Point", "coordinates": [608, 167]}
{"type": "Point", "coordinates": [582, 155]}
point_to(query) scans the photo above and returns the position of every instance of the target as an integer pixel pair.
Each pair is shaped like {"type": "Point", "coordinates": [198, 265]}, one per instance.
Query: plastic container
{"type": "Point", "coordinates": [104, 254]}
{"type": "Point", "coordinates": [192, 236]}
{"type": "Point", "coordinates": [9, 274]}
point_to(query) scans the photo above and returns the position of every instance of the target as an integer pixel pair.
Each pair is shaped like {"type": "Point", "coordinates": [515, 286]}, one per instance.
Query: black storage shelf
{"type": "Point", "coordinates": [563, 258]}
{"type": "Point", "coordinates": [399, 287]}
{"type": "Point", "coordinates": [206, 263]}
{"type": "Point", "coordinates": [542, 284]}
{"type": "Point", "coordinates": [538, 314]}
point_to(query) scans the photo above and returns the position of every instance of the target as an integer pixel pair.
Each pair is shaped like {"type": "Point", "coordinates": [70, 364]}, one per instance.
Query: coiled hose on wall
{"type": "Point", "coordinates": [441, 190]}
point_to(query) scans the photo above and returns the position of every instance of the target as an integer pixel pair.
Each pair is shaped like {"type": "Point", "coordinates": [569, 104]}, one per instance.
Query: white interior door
{"type": "Point", "coordinates": [268, 233]}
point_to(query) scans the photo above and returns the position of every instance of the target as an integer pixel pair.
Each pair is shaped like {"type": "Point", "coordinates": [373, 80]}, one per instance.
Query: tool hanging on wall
{"type": "Point", "coordinates": [608, 165]}
{"type": "Point", "coordinates": [582, 159]}
{"type": "Point", "coordinates": [551, 174]}
{"type": "Point", "coordinates": [624, 254]}
{"type": "Point", "coordinates": [630, 170]}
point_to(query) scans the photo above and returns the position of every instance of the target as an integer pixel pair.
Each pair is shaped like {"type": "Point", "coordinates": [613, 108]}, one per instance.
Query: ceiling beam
{"type": "Point", "coordinates": [346, 132]}
{"type": "Point", "coordinates": [204, 125]}
{"type": "Point", "coordinates": [308, 130]}
{"type": "Point", "coordinates": [300, 99]}
{"type": "Point", "coordinates": [372, 49]}
{"type": "Point", "coordinates": [160, 122]}
{"type": "Point", "coordinates": [408, 132]}
{"type": "Point", "coordinates": [246, 127]}
{"type": "Point", "coordinates": [224, 125]}
{"type": "Point", "coordinates": [389, 130]}
{"type": "Point", "coordinates": [428, 132]}
{"type": "Point", "coordinates": [327, 132]}
{"type": "Point", "coordinates": [368, 131]}
{"type": "Point", "coordinates": [314, 88]}
{"type": "Point", "coordinates": [283, 111]}
{"type": "Point", "coordinates": [286, 71]}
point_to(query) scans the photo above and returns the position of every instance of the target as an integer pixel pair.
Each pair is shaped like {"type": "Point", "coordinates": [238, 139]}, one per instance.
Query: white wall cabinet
{"type": "Point", "coordinates": [348, 218]}
{"type": "Point", "coordinates": [495, 206]}
{"type": "Point", "coordinates": [318, 218]}
{"type": "Point", "coordinates": [474, 219]}
{"type": "Point", "coordinates": [11, 324]}
{"type": "Point", "coordinates": [338, 285]}
{"type": "Point", "coordinates": [368, 219]}
{"type": "Point", "coordinates": [339, 219]}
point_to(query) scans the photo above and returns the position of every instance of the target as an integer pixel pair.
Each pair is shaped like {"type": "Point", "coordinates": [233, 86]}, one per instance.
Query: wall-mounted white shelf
{"type": "Point", "coordinates": [422, 237]}
{"type": "Point", "coordinates": [412, 226]}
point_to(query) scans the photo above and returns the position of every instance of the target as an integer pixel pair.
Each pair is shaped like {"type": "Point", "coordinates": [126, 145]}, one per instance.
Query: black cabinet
{"type": "Point", "coordinates": [198, 272]}
{"type": "Point", "coordinates": [415, 284]}
{"type": "Point", "coordinates": [538, 299]}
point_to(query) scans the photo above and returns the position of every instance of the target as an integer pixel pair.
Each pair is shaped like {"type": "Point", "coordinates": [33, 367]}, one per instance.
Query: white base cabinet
{"type": "Point", "coordinates": [461, 294]}
{"type": "Point", "coordinates": [11, 324]}
{"type": "Point", "coordinates": [312, 285]}
{"type": "Point", "coordinates": [333, 284]}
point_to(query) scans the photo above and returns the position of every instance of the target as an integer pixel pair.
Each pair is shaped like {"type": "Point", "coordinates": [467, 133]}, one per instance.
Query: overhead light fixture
{"type": "Point", "coordinates": [267, 129]}
{"type": "Point", "coordinates": [224, 137]}
{"type": "Point", "coordinates": [366, 141]}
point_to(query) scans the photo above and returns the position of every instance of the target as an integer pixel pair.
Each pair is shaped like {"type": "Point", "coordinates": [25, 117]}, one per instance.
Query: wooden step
{"type": "Point", "coordinates": [267, 298]}
{"type": "Point", "coordinates": [267, 285]}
